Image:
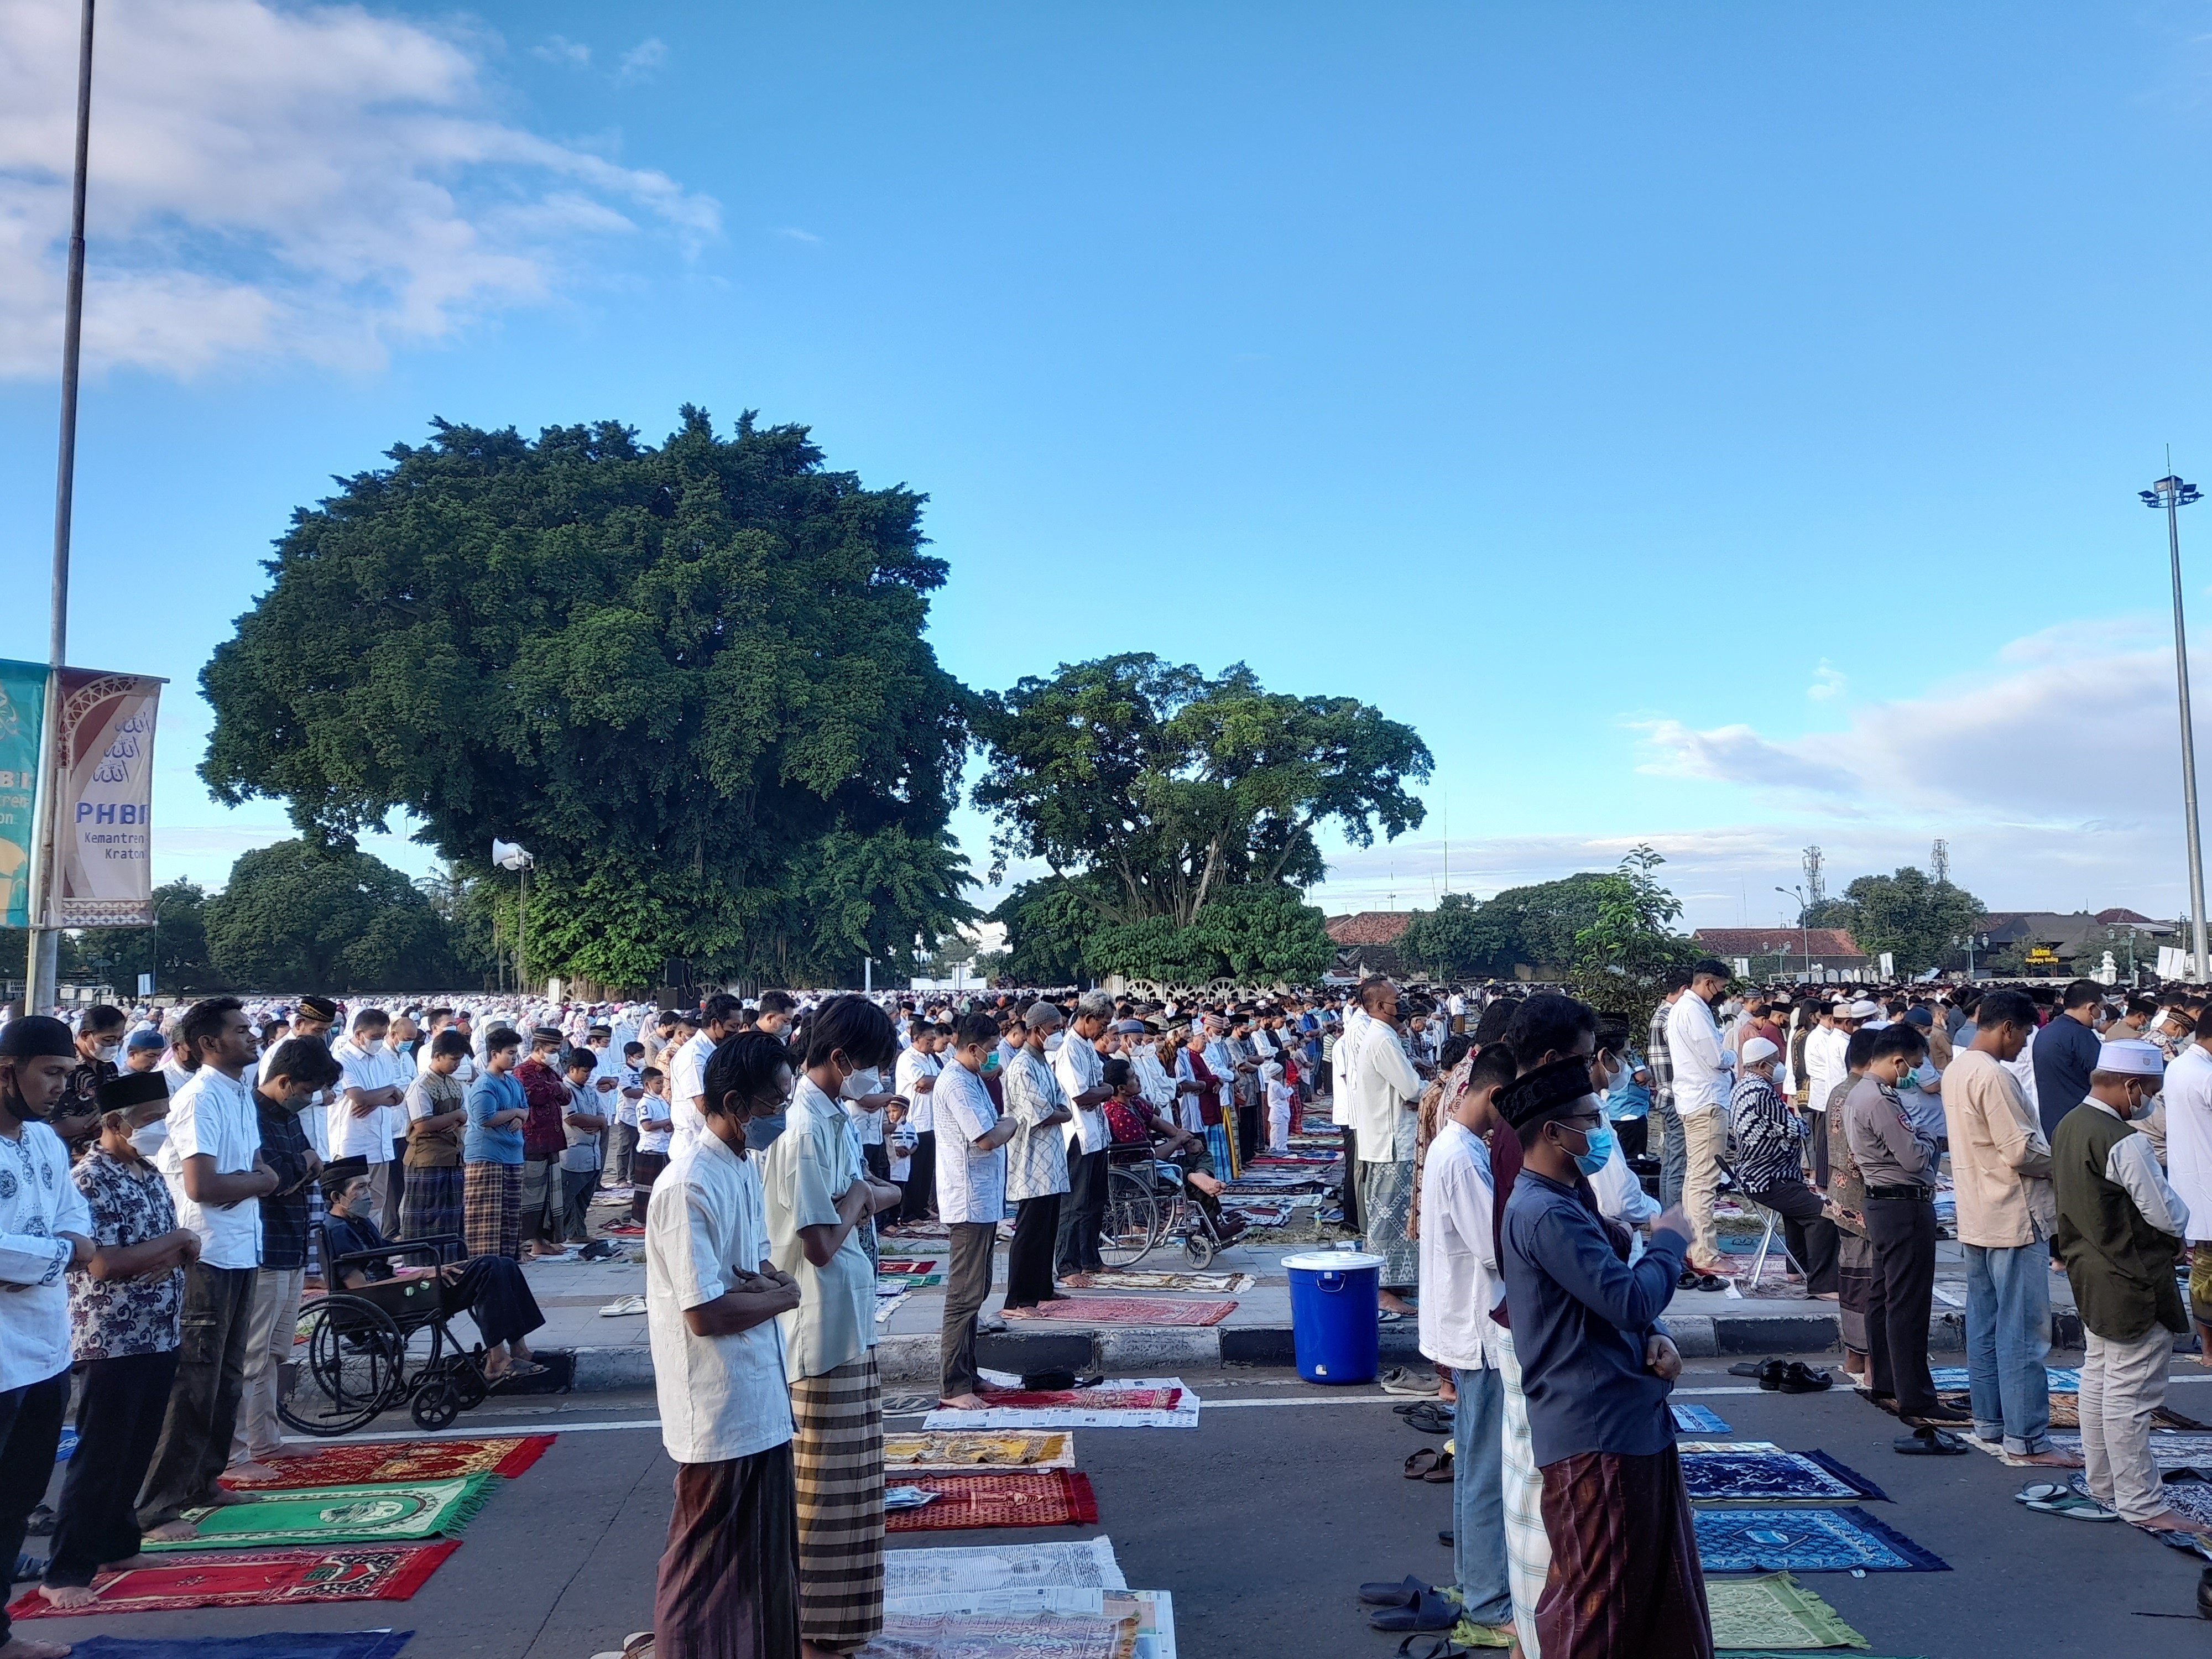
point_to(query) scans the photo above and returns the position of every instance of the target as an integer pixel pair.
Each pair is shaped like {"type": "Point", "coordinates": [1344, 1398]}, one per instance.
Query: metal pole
{"type": "Point", "coordinates": [2188, 741]}
{"type": "Point", "coordinates": [522, 935]}
{"type": "Point", "coordinates": [40, 971]}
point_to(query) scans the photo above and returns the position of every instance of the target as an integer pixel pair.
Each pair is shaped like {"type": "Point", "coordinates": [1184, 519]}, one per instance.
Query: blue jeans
{"type": "Point", "coordinates": [1479, 1496]}
{"type": "Point", "coordinates": [2008, 1335]}
{"type": "Point", "coordinates": [1673, 1154]}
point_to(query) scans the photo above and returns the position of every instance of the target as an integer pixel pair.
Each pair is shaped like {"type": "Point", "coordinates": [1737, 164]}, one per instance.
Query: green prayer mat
{"type": "Point", "coordinates": [910, 1281]}
{"type": "Point", "coordinates": [337, 1514]}
{"type": "Point", "coordinates": [1771, 1610]}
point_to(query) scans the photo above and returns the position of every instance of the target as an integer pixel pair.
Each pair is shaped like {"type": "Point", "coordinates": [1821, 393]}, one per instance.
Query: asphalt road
{"type": "Point", "coordinates": [1264, 1521]}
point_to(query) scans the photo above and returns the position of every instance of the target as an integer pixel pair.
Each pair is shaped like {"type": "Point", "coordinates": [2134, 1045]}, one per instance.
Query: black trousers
{"type": "Point", "coordinates": [492, 1290]}
{"type": "Point", "coordinates": [1902, 1233]}
{"type": "Point", "coordinates": [30, 1434]}
{"type": "Point", "coordinates": [1251, 1132]}
{"type": "Point", "coordinates": [203, 1409]}
{"type": "Point", "coordinates": [1084, 1215]}
{"type": "Point", "coordinates": [922, 1180]}
{"type": "Point", "coordinates": [877, 1158]}
{"type": "Point", "coordinates": [1634, 1134]}
{"type": "Point", "coordinates": [119, 1417]}
{"type": "Point", "coordinates": [1810, 1235]}
{"type": "Point", "coordinates": [1028, 1258]}
{"type": "Point", "coordinates": [645, 1169]}
{"type": "Point", "coordinates": [967, 1282]}
{"type": "Point", "coordinates": [1351, 1180]}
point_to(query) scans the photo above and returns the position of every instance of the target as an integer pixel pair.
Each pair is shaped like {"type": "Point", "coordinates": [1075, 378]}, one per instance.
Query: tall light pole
{"type": "Point", "coordinates": [40, 970]}
{"type": "Point", "coordinates": [507, 856]}
{"type": "Point", "coordinates": [1805, 933]}
{"type": "Point", "coordinates": [2173, 495]}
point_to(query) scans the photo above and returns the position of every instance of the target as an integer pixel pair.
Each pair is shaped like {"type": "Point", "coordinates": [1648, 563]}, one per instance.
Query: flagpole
{"type": "Point", "coordinates": [40, 971]}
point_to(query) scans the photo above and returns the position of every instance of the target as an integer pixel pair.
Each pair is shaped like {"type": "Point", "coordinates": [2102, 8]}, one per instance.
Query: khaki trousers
{"type": "Point", "coordinates": [1701, 1182]}
{"type": "Point", "coordinates": [260, 1433]}
{"type": "Point", "coordinates": [2122, 1386]}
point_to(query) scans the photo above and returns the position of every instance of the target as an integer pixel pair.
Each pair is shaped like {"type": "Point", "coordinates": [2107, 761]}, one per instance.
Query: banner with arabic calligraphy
{"type": "Point", "coordinates": [106, 824]}
{"type": "Point", "coordinates": [22, 713]}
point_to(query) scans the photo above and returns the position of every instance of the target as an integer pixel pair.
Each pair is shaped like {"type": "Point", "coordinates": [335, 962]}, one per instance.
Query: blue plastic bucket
{"type": "Point", "coordinates": [1332, 1307]}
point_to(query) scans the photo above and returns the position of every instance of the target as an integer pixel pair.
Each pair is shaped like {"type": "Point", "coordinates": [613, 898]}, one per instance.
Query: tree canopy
{"type": "Point", "coordinates": [299, 916]}
{"type": "Point", "coordinates": [691, 679]}
{"type": "Point", "coordinates": [1178, 817]}
{"type": "Point", "coordinates": [1918, 921]}
{"type": "Point", "coordinates": [174, 950]}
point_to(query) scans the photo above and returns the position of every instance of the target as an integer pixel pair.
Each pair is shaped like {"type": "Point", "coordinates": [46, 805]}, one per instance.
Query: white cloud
{"type": "Point", "coordinates": [558, 49]}
{"type": "Point", "coordinates": [1828, 684]}
{"type": "Point", "coordinates": [792, 233]}
{"type": "Point", "coordinates": [639, 63]}
{"type": "Point", "coordinates": [312, 181]}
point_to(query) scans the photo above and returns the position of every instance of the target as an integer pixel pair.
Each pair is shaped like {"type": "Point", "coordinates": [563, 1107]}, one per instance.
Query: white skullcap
{"type": "Point", "coordinates": [1759, 1048]}
{"type": "Point", "coordinates": [1864, 1010]}
{"type": "Point", "coordinates": [2132, 1057]}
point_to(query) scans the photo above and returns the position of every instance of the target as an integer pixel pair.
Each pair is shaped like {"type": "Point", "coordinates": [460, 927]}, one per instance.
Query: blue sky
{"type": "Point", "coordinates": [1713, 426]}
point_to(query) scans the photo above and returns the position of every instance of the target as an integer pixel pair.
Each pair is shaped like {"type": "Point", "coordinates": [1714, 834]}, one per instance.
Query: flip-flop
{"type": "Point", "coordinates": [1749, 1367]}
{"type": "Point", "coordinates": [1420, 1463]}
{"type": "Point", "coordinates": [1430, 1613]}
{"type": "Point", "coordinates": [1440, 1472]}
{"type": "Point", "coordinates": [1429, 1418]}
{"type": "Point", "coordinates": [1929, 1443]}
{"type": "Point", "coordinates": [1798, 1377]}
{"type": "Point", "coordinates": [1432, 1647]}
{"type": "Point", "coordinates": [1402, 1593]}
{"type": "Point", "coordinates": [2048, 1498]}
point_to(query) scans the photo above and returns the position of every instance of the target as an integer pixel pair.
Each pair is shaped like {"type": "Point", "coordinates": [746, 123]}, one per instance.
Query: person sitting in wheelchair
{"type": "Point", "coordinates": [1133, 1120]}
{"type": "Point", "coordinates": [490, 1289]}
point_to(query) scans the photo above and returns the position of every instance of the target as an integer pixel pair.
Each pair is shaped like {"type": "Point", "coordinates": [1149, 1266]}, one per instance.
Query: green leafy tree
{"type": "Point", "coordinates": [300, 917]}
{"type": "Point", "coordinates": [691, 679]}
{"type": "Point", "coordinates": [174, 950]}
{"type": "Point", "coordinates": [1048, 925]}
{"type": "Point", "coordinates": [1625, 953]}
{"type": "Point", "coordinates": [1918, 921]}
{"type": "Point", "coordinates": [1454, 941]}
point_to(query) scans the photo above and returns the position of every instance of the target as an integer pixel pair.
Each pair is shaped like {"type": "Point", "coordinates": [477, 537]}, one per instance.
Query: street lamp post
{"type": "Point", "coordinates": [2172, 494]}
{"type": "Point", "coordinates": [1804, 933]}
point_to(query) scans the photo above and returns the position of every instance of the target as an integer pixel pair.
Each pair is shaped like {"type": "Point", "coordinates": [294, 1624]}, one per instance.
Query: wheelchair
{"type": "Point", "coordinates": [1145, 1206]}
{"type": "Point", "coordinates": [361, 1353]}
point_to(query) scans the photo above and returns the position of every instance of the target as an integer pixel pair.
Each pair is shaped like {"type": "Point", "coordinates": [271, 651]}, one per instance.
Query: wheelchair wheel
{"type": "Point", "coordinates": [1198, 1249]}
{"type": "Point", "coordinates": [352, 1364]}
{"type": "Point", "coordinates": [436, 1405]}
{"type": "Point", "coordinates": [1131, 1225]}
{"type": "Point", "coordinates": [466, 1377]}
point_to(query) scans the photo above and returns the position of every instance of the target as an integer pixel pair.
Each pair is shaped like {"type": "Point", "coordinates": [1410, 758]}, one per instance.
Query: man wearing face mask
{"type": "Point", "coordinates": [2119, 1226]}
{"type": "Point", "coordinates": [99, 1047]}
{"type": "Point", "coordinates": [1770, 1141]}
{"type": "Point", "coordinates": [1702, 1085]}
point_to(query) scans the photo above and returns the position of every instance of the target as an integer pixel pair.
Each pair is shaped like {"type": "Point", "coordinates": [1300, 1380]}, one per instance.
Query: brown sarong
{"type": "Point", "coordinates": [1625, 1577]}
{"type": "Point", "coordinates": [729, 1579]}
{"type": "Point", "coordinates": [837, 1451]}
{"type": "Point", "coordinates": [491, 1209]}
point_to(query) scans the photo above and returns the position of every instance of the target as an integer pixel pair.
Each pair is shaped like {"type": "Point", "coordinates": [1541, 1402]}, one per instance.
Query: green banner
{"type": "Point", "coordinates": [22, 716]}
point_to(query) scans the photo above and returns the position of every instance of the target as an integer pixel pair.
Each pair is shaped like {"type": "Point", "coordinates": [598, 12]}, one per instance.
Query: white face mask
{"type": "Point", "coordinates": [861, 1084]}
{"type": "Point", "coordinates": [108, 1051]}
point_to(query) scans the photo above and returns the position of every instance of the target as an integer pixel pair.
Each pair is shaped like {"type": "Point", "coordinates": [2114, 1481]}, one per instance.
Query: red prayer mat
{"type": "Point", "coordinates": [1131, 1310]}
{"type": "Point", "coordinates": [257, 1578]}
{"type": "Point", "coordinates": [920, 1265]}
{"type": "Point", "coordinates": [1096, 1400]}
{"type": "Point", "coordinates": [373, 1462]}
{"type": "Point", "coordinates": [1048, 1498]}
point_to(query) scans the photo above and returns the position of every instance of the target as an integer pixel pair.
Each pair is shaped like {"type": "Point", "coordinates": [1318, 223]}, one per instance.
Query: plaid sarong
{"type": "Point", "coordinates": [1527, 1546]}
{"type": "Point", "coordinates": [837, 1455]}
{"type": "Point", "coordinates": [492, 1210]}
{"type": "Point", "coordinates": [430, 1204]}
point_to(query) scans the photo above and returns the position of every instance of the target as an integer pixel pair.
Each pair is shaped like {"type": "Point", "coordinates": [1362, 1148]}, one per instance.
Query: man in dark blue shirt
{"type": "Point", "coordinates": [1596, 1367]}
{"type": "Point", "coordinates": [2065, 1053]}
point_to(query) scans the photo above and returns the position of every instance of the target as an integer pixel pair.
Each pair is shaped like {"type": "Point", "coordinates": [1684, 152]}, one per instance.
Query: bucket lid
{"type": "Point", "coordinates": [1332, 1261]}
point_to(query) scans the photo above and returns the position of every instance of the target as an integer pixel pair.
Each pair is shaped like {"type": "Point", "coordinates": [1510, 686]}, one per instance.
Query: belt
{"type": "Point", "coordinates": [1912, 1194]}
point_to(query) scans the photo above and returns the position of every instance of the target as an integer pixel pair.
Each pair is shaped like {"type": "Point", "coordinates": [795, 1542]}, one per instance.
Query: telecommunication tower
{"type": "Point", "coordinates": [1816, 885]}
{"type": "Point", "coordinates": [1939, 861]}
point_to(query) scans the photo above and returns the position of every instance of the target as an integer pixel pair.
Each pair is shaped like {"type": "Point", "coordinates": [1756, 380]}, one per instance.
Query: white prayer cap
{"type": "Point", "coordinates": [2131, 1056]}
{"type": "Point", "coordinates": [1759, 1048]}
{"type": "Point", "coordinates": [1864, 1010]}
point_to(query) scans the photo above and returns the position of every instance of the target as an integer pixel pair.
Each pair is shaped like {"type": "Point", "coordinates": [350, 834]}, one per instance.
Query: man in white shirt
{"type": "Point", "coordinates": [1461, 1284]}
{"type": "Point", "coordinates": [1388, 1092]}
{"type": "Point", "coordinates": [915, 1078]}
{"type": "Point", "coordinates": [216, 1175]}
{"type": "Point", "coordinates": [687, 1069]}
{"type": "Point", "coordinates": [2189, 1165]}
{"type": "Point", "coordinates": [1080, 1072]}
{"type": "Point", "coordinates": [1702, 1083]}
{"type": "Point", "coordinates": [971, 1198]}
{"type": "Point", "coordinates": [368, 1118]}
{"type": "Point", "coordinates": [46, 1230]}
{"type": "Point", "coordinates": [728, 1580]}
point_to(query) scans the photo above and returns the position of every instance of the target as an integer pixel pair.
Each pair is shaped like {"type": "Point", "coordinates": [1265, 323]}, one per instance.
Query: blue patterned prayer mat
{"type": "Point", "coordinates": [1806, 1540]}
{"type": "Point", "coordinates": [274, 1644]}
{"type": "Point", "coordinates": [1952, 1379]}
{"type": "Point", "coordinates": [1696, 1419]}
{"type": "Point", "coordinates": [1783, 1477]}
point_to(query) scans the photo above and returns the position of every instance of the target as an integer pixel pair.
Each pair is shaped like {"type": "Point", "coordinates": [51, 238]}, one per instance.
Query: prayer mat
{"type": "Point", "coordinates": [1696, 1419]}
{"type": "Point", "coordinates": [917, 1229]}
{"type": "Point", "coordinates": [336, 1515]}
{"type": "Point", "coordinates": [1086, 1563]}
{"type": "Point", "coordinates": [1774, 1611]}
{"type": "Point", "coordinates": [891, 1284]}
{"type": "Point", "coordinates": [1685, 1447]}
{"type": "Point", "coordinates": [274, 1644]}
{"type": "Point", "coordinates": [2169, 1450]}
{"type": "Point", "coordinates": [2065, 1411]}
{"type": "Point", "coordinates": [2192, 1497]}
{"type": "Point", "coordinates": [901, 1267]}
{"type": "Point", "coordinates": [1258, 1213]}
{"type": "Point", "coordinates": [1142, 1402]}
{"type": "Point", "coordinates": [1952, 1379]}
{"type": "Point", "coordinates": [1093, 1400]}
{"type": "Point", "coordinates": [1112, 1278]}
{"type": "Point", "coordinates": [65, 1446]}
{"type": "Point", "coordinates": [256, 1578]}
{"type": "Point", "coordinates": [1770, 1477]}
{"type": "Point", "coordinates": [373, 1464]}
{"type": "Point", "coordinates": [887, 1305]}
{"type": "Point", "coordinates": [949, 1453]}
{"type": "Point", "coordinates": [1003, 1636]}
{"type": "Point", "coordinates": [1130, 1310]}
{"type": "Point", "coordinates": [1048, 1498]}
{"type": "Point", "coordinates": [1806, 1540]}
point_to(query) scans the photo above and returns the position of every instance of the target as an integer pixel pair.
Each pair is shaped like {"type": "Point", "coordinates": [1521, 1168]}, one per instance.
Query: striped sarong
{"type": "Point", "coordinates": [430, 1204]}
{"type": "Point", "coordinates": [491, 1209]}
{"type": "Point", "coordinates": [1527, 1546]}
{"type": "Point", "coordinates": [837, 1455]}
{"type": "Point", "coordinates": [728, 1584]}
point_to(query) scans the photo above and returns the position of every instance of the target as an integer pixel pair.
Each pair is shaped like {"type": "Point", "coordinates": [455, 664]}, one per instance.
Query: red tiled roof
{"type": "Point", "coordinates": [1369, 926]}
{"type": "Point", "coordinates": [2123, 914]}
{"type": "Point", "coordinates": [1770, 941]}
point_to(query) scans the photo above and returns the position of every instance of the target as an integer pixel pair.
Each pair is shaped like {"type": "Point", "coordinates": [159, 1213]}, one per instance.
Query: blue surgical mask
{"type": "Point", "coordinates": [1597, 1149]}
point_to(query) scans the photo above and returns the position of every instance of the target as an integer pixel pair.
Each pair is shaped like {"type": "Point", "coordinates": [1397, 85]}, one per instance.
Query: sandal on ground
{"type": "Point", "coordinates": [1419, 1463]}
{"type": "Point", "coordinates": [1431, 1612]}
{"type": "Point", "coordinates": [1403, 1594]}
{"type": "Point", "coordinates": [1432, 1647]}
{"type": "Point", "coordinates": [1429, 1418]}
{"type": "Point", "coordinates": [1929, 1443]}
{"type": "Point", "coordinates": [1440, 1474]}
{"type": "Point", "coordinates": [1750, 1367]}
{"type": "Point", "coordinates": [2048, 1497]}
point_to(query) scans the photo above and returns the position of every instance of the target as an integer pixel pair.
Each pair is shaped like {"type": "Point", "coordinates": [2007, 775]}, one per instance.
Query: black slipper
{"type": "Point", "coordinates": [1403, 1594]}
{"type": "Point", "coordinates": [1443, 1647]}
{"type": "Point", "coordinates": [1430, 1613]}
{"type": "Point", "coordinates": [1929, 1443]}
{"type": "Point", "coordinates": [1747, 1367]}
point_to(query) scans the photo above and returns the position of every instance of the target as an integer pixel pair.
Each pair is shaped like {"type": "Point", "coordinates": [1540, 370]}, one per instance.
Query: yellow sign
{"type": "Point", "coordinates": [2043, 954]}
